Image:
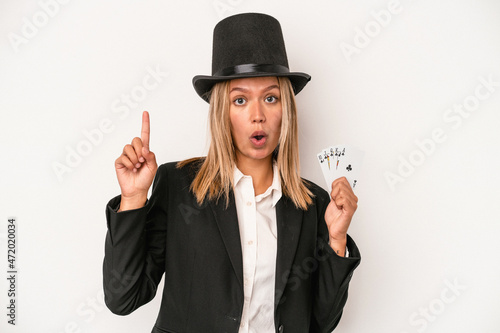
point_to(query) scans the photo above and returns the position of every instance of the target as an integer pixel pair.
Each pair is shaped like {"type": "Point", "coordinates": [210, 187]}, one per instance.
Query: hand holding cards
{"type": "Point", "coordinates": [341, 161]}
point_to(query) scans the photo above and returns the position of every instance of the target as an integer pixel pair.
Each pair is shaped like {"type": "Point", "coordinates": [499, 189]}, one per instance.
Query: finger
{"type": "Point", "coordinates": [130, 152]}
{"type": "Point", "coordinates": [341, 184]}
{"type": "Point", "coordinates": [150, 158]}
{"type": "Point", "coordinates": [137, 144]}
{"type": "Point", "coordinates": [124, 161]}
{"type": "Point", "coordinates": [145, 130]}
{"type": "Point", "coordinates": [341, 180]}
{"type": "Point", "coordinates": [344, 198]}
{"type": "Point", "coordinates": [343, 189]}
{"type": "Point", "coordinates": [346, 203]}
{"type": "Point", "coordinates": [338, 185]}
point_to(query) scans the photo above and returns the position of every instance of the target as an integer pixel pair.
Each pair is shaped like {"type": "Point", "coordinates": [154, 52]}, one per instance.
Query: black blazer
{"type": "Point", "coordinates": [198, 249]}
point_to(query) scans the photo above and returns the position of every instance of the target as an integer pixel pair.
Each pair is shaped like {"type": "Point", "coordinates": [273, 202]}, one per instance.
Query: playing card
{"type": "Point", "coordinates": [341, 161]}
{"type": "Point", "coordinates": [325, 161]}
{"type": "Point", "coordinates": [349, 165]}
{"type": "Point", "coordinates": [338, 152]}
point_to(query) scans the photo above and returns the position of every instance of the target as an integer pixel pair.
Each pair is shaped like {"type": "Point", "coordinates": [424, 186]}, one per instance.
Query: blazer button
{"type": "Point", "coordinates": [280, 329]}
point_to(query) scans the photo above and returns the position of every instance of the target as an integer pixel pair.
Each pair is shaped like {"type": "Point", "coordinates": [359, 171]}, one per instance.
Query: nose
{"type": "Point", "coordinates": [257, 113]}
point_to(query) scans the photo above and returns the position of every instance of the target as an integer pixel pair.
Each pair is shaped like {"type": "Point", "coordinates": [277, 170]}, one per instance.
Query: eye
{"type": "Point", "coordinates": [239, 101]}
{"type": "Point", "coordinates": [271, 99]}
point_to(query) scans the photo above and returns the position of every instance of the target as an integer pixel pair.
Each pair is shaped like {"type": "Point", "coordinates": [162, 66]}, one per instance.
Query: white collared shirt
{"type": "Point", "coordinates": [258, 234]}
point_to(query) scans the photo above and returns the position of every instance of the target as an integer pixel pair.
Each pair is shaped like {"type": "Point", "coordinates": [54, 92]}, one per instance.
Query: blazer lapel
{"type": "Point", "coordinates": [289, 223]}
{"type": "Point", "coordinates": [227, 221]}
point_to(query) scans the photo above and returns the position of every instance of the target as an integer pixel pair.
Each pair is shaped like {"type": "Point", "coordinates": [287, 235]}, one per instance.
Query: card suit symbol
{"type": "Point", "coordinates": [354, 184]}
{"type": "Point", "coordinates": [349, 168]}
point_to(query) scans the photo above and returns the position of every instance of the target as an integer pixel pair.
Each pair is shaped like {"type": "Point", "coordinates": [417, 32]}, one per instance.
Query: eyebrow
{"type": "Point", "coordinates": [274, 86]}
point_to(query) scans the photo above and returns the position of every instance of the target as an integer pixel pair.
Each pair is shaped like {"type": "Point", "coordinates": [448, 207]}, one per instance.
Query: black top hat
{"type": "Point", "coordinates": [248, 45]}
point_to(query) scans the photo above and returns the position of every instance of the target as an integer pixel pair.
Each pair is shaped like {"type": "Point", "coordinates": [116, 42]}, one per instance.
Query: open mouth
{"type": "Point", "coordinates": [258, 138]}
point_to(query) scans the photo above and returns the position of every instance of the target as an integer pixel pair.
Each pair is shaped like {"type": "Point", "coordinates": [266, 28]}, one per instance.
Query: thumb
{"type": "Point", "coordinates": [149, 156]}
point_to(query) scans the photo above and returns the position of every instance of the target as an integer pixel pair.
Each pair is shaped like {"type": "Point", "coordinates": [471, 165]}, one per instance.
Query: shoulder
{"type": "Point", "coordinates": [179, 170]}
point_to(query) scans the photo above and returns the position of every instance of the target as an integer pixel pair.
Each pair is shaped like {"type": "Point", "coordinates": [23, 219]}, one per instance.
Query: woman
{"type": "Point", "coordinates": [245, 244]}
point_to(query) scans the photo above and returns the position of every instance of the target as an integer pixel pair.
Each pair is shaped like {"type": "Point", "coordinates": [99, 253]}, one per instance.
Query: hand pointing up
{"type": "Point", "coordinates": [136, 169]}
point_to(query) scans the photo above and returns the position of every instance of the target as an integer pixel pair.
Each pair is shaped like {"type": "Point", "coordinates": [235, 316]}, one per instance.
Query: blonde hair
{"type": "Point", "coordinates": [215, 176]}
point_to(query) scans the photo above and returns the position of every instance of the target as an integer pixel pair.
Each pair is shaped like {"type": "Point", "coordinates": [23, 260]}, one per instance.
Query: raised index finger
{"type": "Point", "coordinates": [145, 130]}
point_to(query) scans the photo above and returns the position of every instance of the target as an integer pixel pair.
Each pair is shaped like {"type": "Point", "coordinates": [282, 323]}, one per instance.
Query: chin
{"type": "Point", "coordinates": [259, 155]}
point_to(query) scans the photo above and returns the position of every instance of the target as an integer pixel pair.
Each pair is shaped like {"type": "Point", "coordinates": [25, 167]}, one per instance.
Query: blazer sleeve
{"type": "Point", "coordinates": [134, 252]}
{"type": "Point", "coordinates": [332, 278]}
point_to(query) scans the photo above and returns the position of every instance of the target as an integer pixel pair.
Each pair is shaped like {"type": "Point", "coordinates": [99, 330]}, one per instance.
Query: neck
{"type": "Point", "coordinates": [261, 172]}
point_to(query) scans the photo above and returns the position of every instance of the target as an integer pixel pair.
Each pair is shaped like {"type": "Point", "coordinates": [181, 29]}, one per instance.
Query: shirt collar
{"type": "Point", "coordinates": [274, 189]}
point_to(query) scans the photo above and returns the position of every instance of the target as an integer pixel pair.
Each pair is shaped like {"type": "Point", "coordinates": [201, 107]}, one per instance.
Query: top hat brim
{"type": "Point", "coordinates": [203, 84]}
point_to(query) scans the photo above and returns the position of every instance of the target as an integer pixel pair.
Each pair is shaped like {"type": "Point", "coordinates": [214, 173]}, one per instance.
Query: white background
{"type": "Point", "coordinates": [435, 227]}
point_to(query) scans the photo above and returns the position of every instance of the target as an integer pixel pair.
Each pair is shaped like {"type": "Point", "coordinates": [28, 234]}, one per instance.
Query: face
{"type": "Point", "coordinates": [255, 115]}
